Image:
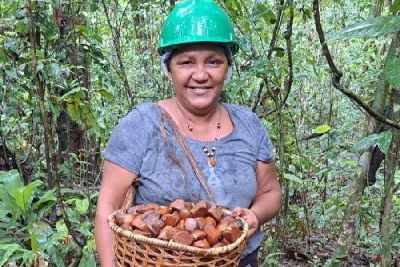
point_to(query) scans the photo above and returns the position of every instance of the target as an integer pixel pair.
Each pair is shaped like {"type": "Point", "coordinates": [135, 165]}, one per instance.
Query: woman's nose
{"type": "Point", "coordinates": [200, 73]}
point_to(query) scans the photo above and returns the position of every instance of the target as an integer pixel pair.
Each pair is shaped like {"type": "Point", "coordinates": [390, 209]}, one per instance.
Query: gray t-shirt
{"type": "Point", "coordinates": [136, 145]}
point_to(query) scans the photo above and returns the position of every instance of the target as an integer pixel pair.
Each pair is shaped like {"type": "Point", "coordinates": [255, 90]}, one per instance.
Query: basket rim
{"type": "Point", "coordinates": [174, 245]}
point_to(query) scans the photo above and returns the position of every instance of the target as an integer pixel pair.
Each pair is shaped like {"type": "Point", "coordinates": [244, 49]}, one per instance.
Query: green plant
{"type": "Point", "coordinates": [21, 211]}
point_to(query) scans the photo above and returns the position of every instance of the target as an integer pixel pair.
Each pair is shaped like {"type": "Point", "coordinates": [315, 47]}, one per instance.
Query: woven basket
{"type": "Point", "coordinates": [132, 249]}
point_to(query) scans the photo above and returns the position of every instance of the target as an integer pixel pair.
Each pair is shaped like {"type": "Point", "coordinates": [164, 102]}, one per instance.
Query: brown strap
{"type": "Point", "coordinates": [128, 198]}
{"type": "Point", "coordinates": [185, 148]}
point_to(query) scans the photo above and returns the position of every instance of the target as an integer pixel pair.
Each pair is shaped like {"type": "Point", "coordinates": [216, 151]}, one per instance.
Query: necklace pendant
{"type": "Point", "coordinates": [212, 162]}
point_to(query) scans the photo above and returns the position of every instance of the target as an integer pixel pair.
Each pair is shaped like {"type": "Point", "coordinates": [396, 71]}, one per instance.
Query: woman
{"type": "Point", "coordinates": [230, 146]}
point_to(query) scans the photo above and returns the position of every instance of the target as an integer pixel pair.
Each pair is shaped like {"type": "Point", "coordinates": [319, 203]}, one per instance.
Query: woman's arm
{"type": "Point", "coordinates": [268, 198]}
{"type": "Point", "coordinates": [116, 182]}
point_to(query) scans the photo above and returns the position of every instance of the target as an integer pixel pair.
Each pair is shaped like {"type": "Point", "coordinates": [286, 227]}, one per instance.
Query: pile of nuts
{"type": "Point", "coordinates": [198, 225]}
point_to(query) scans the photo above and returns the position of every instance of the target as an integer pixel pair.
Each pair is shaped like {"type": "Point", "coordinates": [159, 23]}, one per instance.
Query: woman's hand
{"type": "Point", "coordinates": [249, 217]}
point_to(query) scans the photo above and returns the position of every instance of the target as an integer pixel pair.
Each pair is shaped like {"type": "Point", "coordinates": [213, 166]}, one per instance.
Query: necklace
{"type": "Point", "coordinates": [210, 153]}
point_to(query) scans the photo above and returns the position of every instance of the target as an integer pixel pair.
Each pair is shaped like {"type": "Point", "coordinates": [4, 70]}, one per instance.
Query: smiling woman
{"type": "Point", "coordinates": [228, 143]}
{"type": "Point", "coordinates": [198, 73]}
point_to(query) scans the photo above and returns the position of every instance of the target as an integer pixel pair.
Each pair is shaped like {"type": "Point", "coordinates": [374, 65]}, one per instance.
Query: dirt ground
{"type": "Point", "coordinates": [320, 251]}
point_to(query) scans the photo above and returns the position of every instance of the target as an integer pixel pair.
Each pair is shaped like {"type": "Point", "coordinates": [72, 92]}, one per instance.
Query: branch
{"type": "Point", "coordinates": [271, 45]}
{"type": "Point", "coordinates": [289, 79]}
{"type": "Point", "coordinates": [50, 156]}
{"type": "Point", "coordinates": [276, 29]}
{"type": "Point", "coordinates": [288, 36]}
{"type": "Point", "coordinates": [115, 35]}
{"type": "Point", "coordinates": [311, 136]}
{"type": "Point", "coordinates": [337, 75]}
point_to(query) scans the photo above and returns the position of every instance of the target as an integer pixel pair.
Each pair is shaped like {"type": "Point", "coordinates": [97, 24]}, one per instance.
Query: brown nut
{"type": "Point", "coordinates": [211, 221]}
{"type": "Point", "coordinates": [189, 205]}
{"type": "Point", "coordinates": [119, 218]}
{"type": "Point", "coordinates": [180, 225]}
{"type": "Point", "coordinates": [167, 233]}
{"type": "Point", "coordinates": [177, 205]}
{"type": "Point", "coordinates": [215, 213]}
{"type": "Point", "coordinates": [126, 226]}
{"type": "Point", "coordinates": [170, 219]}
{"type": "Point", "coordinates": [201, 222]}
{"type": "Point", "coordinates": [203, 204]}
{"type": "Point", "coordinates": [183, 237]}
{"type": "Point", "coordinates": [231, 233]}
{"type": "Point", "coordinates": [199, 211]}
{"type": "Point", "coordinates": [213, 235]}
{"type": "Point", "coordinates": [222, 225]}
{"type": "Point", "coordinates": [138, 223]}
{"type": "Point", "coordinates": [203, 243]}
{"type": "Point", "coordinates": [228, 218]}
{"type": "Point", "coordinates": [191, 224]}
{"type": "Point", "coordinates": [198, 234]}
{"type": "Point", "coordinates": [145, 207]}
{"type": "Point", "coordinates": [164, 210]}
{"type": "Point", "coordinates": [185, 213]}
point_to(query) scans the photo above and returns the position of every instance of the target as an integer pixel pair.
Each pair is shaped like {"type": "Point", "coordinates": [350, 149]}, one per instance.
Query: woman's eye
{"type": "Point", "coordinates": [186, 62]}
{"type": "Point", "coordinates": [214, 62]}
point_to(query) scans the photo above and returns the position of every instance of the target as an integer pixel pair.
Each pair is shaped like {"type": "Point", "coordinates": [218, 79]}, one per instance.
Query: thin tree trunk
{"type": "Point", "coordinates": [116, 40]}
{"type": "Point", "coordinates": [391, 163]}
{"type": "Point", "coordinates": [360, 181]}
{"type": "Point", "coordinates": [49, 151]}
{"type": "Point", "coordinates": [392, 157]}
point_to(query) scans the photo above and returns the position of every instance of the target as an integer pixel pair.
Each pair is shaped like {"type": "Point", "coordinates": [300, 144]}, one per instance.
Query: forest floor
{"type": "Point", "coordinates": [320, 250]}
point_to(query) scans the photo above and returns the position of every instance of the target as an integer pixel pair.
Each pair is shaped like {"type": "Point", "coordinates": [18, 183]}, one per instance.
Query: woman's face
{"type": "Point", "coordinates": [198, 72]}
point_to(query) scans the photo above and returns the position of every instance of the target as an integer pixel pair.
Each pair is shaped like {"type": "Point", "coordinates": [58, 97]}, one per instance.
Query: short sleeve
{"type": "Point", "coordinates": [265, 151]}
{"type": "Point", "coordinates": [126, 144]}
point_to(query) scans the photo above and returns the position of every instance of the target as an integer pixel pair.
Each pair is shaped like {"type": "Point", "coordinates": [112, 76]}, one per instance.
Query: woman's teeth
{"type": "Point", "coordinates": [199, 90]}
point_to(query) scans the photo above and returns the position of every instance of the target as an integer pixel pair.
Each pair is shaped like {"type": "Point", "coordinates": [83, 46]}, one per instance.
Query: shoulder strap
{"type": "Point", "coordinates": [165, 117]}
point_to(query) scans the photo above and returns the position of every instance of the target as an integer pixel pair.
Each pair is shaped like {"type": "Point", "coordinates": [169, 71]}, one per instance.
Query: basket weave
{"type": "Point", "coordinates": [132, 249]}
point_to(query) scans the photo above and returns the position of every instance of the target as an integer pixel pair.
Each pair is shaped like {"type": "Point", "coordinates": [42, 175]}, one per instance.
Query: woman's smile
{"type": "Point", "coordinates": [198, 73]}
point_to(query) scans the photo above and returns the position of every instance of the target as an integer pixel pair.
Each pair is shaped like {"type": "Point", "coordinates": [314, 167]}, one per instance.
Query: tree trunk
{"type": "Point", "coordinates": [115, 32]}
{"type": "Point", "coordinates": [360, 181]}
{"type": "Point", "coordinates": [392, 157]}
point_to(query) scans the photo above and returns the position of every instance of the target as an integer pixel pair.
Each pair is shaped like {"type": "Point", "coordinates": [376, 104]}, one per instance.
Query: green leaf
{"type": "Point", "coordinates": [383, 141]}
{"type": "Point", "coordinates": [23, 195]}
{"type": "Point", "coordinates": [367, 142]}
{"type": "Point", "coordinates": [82, 29]}
{"type": "Point", "coordinates": [392, 72]}
{"type": "Point", "coordinates": [322, 129]}
{"type": "Point", "coordinates": [62, 229]}
{"type": "Point", "coordinates": [293, 178]}
{"type": "Point", "coordinates": [11, 179]}
{"type": "Point", "coordinates": [49, 196]}
{"type": "Point", "coordinates": [395, 7]}
{"type": "Point", "coordinates": [8, 201]}
{"type": "Point", "coordinates": [105, 93]}
{"type": "Point", "coordinates": [7, 251]}
{"type": "Point", "coordinates": [21, 27]}
{"type": "Point", "coordinates": [372, 27]}
{"type": "Point", "coordinates": [280, 52]}
{"type": "Point", "coordinates": [12, 73]}
{"type": "Point", "coordinates": [82, 205]}
{"type": "Point", "coordinates": [34, 242]}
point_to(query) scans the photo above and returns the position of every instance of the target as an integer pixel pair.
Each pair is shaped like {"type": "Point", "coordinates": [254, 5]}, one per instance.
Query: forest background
{"type": "Point", "coordinates": [323, 77]}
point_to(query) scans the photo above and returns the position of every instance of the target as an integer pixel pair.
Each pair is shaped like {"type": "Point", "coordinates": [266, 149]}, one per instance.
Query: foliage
{"type": "Point", "coordinates": [370, 28]}
{"type": "Point", "coordinates": [24, 225]}
{"type": "Point", "coordinates": [85, 94]}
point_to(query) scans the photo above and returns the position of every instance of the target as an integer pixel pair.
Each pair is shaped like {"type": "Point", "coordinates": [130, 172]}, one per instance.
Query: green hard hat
{"type": "Point", "coordinates": [196, 21]}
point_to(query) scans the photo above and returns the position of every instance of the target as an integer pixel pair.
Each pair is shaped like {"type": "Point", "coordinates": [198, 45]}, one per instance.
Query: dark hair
{"type": "Point", "coordinates": [225, 47]}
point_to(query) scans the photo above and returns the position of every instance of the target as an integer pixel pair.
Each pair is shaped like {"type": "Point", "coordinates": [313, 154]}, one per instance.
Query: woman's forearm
{"type": "Point", "coordinates": [115, 184]}
{"type": "Point", "coordinates": [267, 201]}
{"type": "Point", "coordinates": [103, 237]}
{"type": "Point", "coordinates": [266, 206]}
